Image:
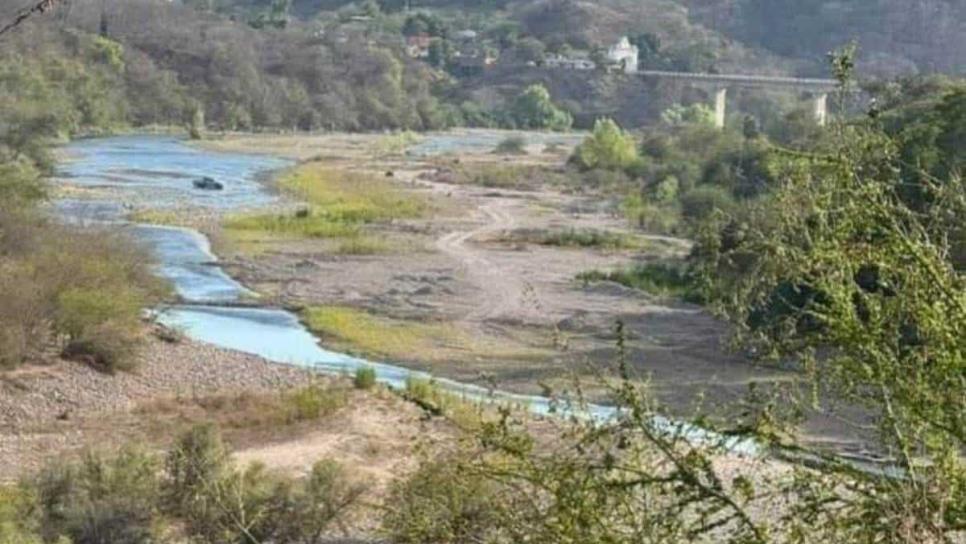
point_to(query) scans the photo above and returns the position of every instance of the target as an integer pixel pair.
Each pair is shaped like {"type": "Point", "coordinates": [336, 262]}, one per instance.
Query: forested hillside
{"type": "Point", "coordinates": [339, 65]}
{"type": "Point", "coordinates": [143, 62]}
{"type": "Point", "coordinates": [895, 36]}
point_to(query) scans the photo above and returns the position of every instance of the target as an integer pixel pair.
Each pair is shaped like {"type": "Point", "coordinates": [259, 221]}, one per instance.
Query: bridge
{"type": "Point", "coordinates": [722, 82]}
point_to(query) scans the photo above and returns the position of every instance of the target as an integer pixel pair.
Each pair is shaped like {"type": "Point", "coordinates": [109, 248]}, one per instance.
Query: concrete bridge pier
{"type": "Point", "coordinates": [720, 105]}
{"type": "Point", "coordinates": [821, 109]}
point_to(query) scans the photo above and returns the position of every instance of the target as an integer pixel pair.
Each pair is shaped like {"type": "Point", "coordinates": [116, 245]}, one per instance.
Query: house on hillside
{"type": "Point", "coordinates": [625, 55]}
{"type": "Point", "coordinates": [417, 46]}
{"type": "Point", "coordinates": [576, 61]}
{"type": "Point", "coordinates": [467, 35]}
{"type": "Point", "coordinates": [472, 61]}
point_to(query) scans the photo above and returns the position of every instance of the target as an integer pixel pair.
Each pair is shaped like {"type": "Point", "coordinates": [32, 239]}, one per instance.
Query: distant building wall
{"type": "Point", "coordinates": [624, 54]}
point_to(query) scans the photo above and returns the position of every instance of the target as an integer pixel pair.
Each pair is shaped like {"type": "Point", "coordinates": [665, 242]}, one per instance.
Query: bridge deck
{"type": "Point", "coordinates": [814, 84]}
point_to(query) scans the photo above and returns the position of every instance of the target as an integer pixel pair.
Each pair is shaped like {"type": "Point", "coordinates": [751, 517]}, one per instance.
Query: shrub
{"type": "Point", "coordinates": [422, 389]}
{"type": "Point", "coordinates": [87, 286]}
{"type": "Point", "coordinates": [195, 467]}
{"type": "Point", "coordinates": [304, 512]}
{"type": "Point", "coordinates": [651, 217]}
{"type": "Point", "coordinates": [441, 503]}
{"type": "Point", "coordinates": [109, 346]}
{"type": "Point", "coordinates": [100, 500]}
{"type": "Point", "coordinates": [513, 145]}
{"type": "Point", "coordinates": [573, 237]}
{"type": "Point", "coordinates": [667, 190]}
{"type": "Point", "coordinates": [221, 503]}
{"type": "Point", "coordinates": [534, 109]}
{"type": "Point", "coordinates": [608, 148]}
{"type": "Point", "coordinates": [698, 204]}
{"type": "Point", "coordinates": [24, 313]}
{"type": "Point", "coordinates": [19, 523]}
{"type": "Point", "coordinates": [605, 179]}
{"type": "Point", "coordinates": [82, 312]}
{"type": "Point", "coordinates": [695, 114]}
{"type": "Point", "coordinates": [365, 377]}
{"type": "Point", "coordinates": [313, 402]}
{"type": "Point", "coordinates": [20, 184]}
{"type": "Point", "coordinates": [663, 279]}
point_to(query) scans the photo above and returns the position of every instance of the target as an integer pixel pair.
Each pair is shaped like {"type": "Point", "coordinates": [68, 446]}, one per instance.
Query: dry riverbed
{"type": "Point", "coordinates": [478, 289]}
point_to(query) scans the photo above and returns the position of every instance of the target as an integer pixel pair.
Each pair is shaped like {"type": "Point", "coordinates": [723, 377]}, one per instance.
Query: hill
{"type": "Point", "coordinates": [895, 36]}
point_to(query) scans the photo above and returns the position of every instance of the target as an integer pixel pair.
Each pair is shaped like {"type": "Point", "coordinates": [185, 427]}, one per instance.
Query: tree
{"type": "Point", "coordinates": [395, 6]}
{"type": "Point", "coordinates": [529, 50]}
{"type": "Point", "coordinates": [952, 139]}
{"type": "Point", "coordinates": [750, 128]}
{"type": "Point", "coordinates": [197, 126]}
{"type": "Point", "coordinates": [425, 23]}
{"type": "Point", "coordinates": [650, 52]}
{"type": "Point", "coordinates": [608, 148]}
{"type": "Point", "coordinates": [837, 274]}
{"type": "Point", "coordinates": [832, 274]}
{"type": "Point", "coordinates": [440, 53]}
{"type": "Point", "coordinates": [695, 114]}
{"type": "Point", "coordinates": [533, 109]}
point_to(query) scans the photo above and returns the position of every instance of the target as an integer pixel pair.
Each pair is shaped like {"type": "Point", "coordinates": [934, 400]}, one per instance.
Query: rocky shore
{"type": "Point", "coordinates": [46, 409]}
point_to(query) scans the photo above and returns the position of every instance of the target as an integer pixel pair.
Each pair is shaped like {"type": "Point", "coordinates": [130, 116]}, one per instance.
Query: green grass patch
{"type": "Point", "coordinates": [350, 196]}
{"type": "Point", "coordinates": [504, 176]}
{"type": "Point", "coordinates": [362, 245]}
{"type": "Point", "coordinates": [439, 342]}
{"type": "Point", "coordinates": [339, 205]}
{"type": "Point", "coordinates": [662, 279]}
{"type": "Point", "coordinates": [384, 337]}
{"type": "Point", "coordinates": [299, 225]}
{"type": "Point", "coordinates": [579, 238]}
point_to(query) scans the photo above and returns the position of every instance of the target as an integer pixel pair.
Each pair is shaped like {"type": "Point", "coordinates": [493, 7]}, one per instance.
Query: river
{"type": "Point", "coordinates": [138, 171]}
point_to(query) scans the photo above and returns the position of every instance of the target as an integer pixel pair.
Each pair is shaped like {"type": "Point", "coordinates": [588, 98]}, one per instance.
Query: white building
{"type": "Point", "coordinates": [624, 55]}
{"type": "Point", "coordinates": [568, 63]}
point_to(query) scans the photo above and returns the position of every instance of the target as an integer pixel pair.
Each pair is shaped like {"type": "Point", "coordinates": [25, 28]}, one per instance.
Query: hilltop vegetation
{"type": "Point", "coordinates": [896, 37]}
